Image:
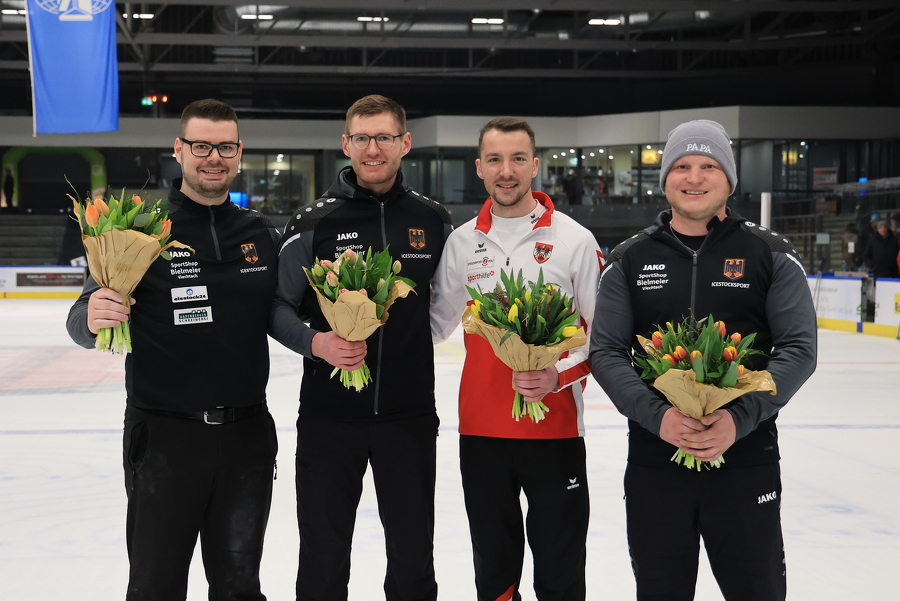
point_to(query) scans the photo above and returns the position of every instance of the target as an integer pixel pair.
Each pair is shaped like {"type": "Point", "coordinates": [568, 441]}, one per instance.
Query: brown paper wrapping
{"type": "Point", "coordinates": [352, 316]}
{"type": "Point", "coordinates": [118, 259]}
{"type": "Point", "coordinates": [517, 355]}
{"type": "Point", "coordinates": [696, 400]}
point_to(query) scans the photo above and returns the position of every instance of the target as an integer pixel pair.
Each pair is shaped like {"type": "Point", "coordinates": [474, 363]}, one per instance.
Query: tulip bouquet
{"type": "Point", "coordinates": [699, 368]}
{"type": "Point", "coordinates": [122, 237]}
{"type": "Point", "coordinates": [355, 293]}
{"type": "Point", "coordinates": [528, 327]}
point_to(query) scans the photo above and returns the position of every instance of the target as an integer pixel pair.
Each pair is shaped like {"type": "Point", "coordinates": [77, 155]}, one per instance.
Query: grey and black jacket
{"type": "Point", "coordinates": [198, 327]}
{"type": "Point", "coordinates": [743, 274]}
{"type": "Point", "coordinates": [400, 354]}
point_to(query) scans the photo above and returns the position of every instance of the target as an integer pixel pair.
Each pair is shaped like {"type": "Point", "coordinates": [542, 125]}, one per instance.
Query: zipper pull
{"type": "Point", "coordinates": [507, 261]}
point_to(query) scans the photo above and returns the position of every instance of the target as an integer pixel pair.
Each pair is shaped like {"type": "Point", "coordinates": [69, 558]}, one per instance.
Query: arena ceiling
{"type": "Point", "coordinates": [312, 58]}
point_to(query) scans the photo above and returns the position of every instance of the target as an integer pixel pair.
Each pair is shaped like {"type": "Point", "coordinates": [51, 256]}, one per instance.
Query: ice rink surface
{"type": "Point", "coordinates": [62, 499]}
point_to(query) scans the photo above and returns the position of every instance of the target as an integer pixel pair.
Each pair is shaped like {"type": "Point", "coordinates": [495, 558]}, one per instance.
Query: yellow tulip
{"type": "Point", "coordinates": [569, 331]}
{"type": "Point", "coordinates": [513, 314]}
{"type": "Point", "coordinates": [476, 308]}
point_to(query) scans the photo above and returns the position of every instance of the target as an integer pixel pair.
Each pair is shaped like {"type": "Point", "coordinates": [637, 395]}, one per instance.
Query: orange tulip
{"type": "Point", "coordinates": [657, 339]}
{"type": "Point", "coordinates": [101, 206]}
{"type": "Point", "coordinates": [730, 353]}
{"type": "Point", "coordinates": [166, 229]}
{"type": "Point", "coordinates": [696, 355]}
{"type": "Point", "coordinates": [736, 338]}
{"type": "Point", "coordinates": [92, 216]}
{"type": "Point", "coordinates": [670, 359]}
{"type": "Point", "coordinates": [741, 370]}
{"type": "Point", "coordinates": [680, 353]}
{"type": "Point", "coordinates": [136, 199]}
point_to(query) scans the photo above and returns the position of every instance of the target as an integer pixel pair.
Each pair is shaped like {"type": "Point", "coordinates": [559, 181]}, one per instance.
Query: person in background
{"type": "Point", "coordinates": [700, 258]}
{"type": "Point", "coordinates": [519, 229]}
{"type": "Point", "coordinates": [881, 254]}
{"type": "Point", "coordinates": [199, 442]}
{"type": "Point", "coordinates": [392, 423]}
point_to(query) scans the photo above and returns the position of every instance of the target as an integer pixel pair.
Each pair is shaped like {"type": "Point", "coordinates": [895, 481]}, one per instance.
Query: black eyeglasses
{"type": "Point", "coordinates": [384, 141]}
{"type": "Point", "coordinates": [227, 150]}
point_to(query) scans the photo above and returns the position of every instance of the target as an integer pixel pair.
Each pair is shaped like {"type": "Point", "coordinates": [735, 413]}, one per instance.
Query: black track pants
{"type": "Point", "coordinates": [332, 458]}
{"type": "Point", "coordinates": [185, 477]}
{"type": "Point", "coordinates": [553, 475]}
{"type": "Point", "coordinates": [735, 510]}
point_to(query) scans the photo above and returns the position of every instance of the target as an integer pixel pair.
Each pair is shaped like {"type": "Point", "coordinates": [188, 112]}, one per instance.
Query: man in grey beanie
{"type": "Point", "coordinates": [700, 259]}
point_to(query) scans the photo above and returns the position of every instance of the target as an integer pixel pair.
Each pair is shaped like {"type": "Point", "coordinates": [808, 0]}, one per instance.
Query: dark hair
{"type": "Point", "coordinates": [896, 217]}
{"type": "Point", "coordinates": [375, 105]}
{"type": "Point", "coordinates": [208, 109]}
{"type": "Point", "coordinates": [507, 125]}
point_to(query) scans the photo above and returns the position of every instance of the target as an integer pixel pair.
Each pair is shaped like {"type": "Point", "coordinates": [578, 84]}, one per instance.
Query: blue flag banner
{"type": "Point", "coordinates": [74, 70]}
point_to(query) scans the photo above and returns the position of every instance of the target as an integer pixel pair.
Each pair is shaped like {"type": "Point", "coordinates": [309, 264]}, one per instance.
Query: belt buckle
{"type": "Point", "coordinates": [214, 417]}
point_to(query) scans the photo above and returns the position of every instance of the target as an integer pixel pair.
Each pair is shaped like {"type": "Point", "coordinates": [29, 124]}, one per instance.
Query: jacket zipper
{"type": "Point", "coordinates": [380, 333]}
{"type": "Point", "coordinates": [212, 229]}
{"type": "Point", "coordinates": [694, 255]}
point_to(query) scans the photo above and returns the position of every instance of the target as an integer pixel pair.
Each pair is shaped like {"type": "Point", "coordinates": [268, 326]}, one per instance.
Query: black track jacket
{"type": "Point", "coordinates": [743, 274]}
{"type": "Point", "coordinates": [198, 328]}
{"type": "Point", "coordinates": [400, 354]}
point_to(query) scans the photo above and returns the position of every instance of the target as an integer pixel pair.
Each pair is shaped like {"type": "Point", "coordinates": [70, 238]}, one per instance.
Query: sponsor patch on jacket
{"type": "Point", "coordinates": [191, 293]}
{"type": "Point", "coordinates": [250, 253]}
{"type": "Point", "coordinates": [193, 315]}
{"type": "Point", "coordinates": [480, 263]}
{"type": "Point", "coordinates": [417, 238]}
{"type": "Point", "coordinates": [542, 252]}
{"type": "Point", "coordinates": [734, 268]}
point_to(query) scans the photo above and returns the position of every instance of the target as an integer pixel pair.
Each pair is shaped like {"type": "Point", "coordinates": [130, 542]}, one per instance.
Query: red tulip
{"type": "Point", "coordinates": [729, 354]}
{"type": "Point", "coordinates": [695, 355]}
{"type": "Point", "coordinates": [741, 370]}
{"type": "Point", "coordinates": [719, 328]}
{"type": "Point", "coordinates": [657, 339]}
{"type": "Point", "coordinates": [680, 354]}
{"type": "Point", "coordinates": [670, 359]}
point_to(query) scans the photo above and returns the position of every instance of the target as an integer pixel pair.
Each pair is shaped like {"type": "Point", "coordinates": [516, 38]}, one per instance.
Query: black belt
{"type": "Point", "coordinates": [219, 415]}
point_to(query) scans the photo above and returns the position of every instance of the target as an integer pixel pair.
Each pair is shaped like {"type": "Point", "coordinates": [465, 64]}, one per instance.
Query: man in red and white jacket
{"type": "Point", "coordinates": [518, 228]}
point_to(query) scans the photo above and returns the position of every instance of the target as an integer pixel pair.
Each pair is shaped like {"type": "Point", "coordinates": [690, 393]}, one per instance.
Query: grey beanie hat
{"type": "Point", "coordinates": [702, 137]}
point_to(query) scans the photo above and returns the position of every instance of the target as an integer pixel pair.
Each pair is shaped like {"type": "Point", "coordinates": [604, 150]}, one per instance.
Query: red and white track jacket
{"type": "Point", "coordinates": [474, 255]}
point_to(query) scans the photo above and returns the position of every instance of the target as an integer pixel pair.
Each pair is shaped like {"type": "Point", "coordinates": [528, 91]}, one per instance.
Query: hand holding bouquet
{"type": "Point", "coordinates": [527, 326]}
{"type": "Point", "coordinates": [355, 293]}
{"type": "Point", "coordinates": [122, 237]}
{"type": "Point", "coordinates": [699, 369]}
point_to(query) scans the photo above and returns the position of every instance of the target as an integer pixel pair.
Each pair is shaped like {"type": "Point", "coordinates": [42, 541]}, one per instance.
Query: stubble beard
{"type": "Point", "coordinates": [209, 190]}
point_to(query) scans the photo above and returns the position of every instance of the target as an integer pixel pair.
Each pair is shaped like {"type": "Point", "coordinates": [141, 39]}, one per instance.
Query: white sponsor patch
{"type": "Point", "coordinates": [193, 315]}
{"type": "Point", "coordinates": [482, 263]}
{"type": "Point", "coordinates": [192, 293]}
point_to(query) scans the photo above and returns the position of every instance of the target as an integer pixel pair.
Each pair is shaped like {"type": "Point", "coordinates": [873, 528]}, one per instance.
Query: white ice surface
{"type": "Point", "coordinates": [62, 500]}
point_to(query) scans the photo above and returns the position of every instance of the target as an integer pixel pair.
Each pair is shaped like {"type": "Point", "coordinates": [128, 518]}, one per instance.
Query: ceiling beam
{"type": "Point", "coordinates": [747, 6]}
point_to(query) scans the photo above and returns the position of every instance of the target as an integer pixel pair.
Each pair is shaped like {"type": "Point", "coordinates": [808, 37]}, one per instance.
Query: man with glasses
{"type": "Point", "coordinates": [199, 443]}
{"type": "Point", "coordinates": [392, 423]}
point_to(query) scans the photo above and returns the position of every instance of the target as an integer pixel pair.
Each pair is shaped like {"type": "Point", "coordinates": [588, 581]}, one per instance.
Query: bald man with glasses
{"type": "Point", "coordinates": [392, 423]}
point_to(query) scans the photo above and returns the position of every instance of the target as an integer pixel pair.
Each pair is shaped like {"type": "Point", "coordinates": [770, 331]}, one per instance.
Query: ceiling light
{"type": "Point", "coordinates": [555, 156]}
{"type": "Point", "coordinates": [611, 156]}
{"type": "Point", "coordinates": [562, 153]}
{"type": "Point", "coordinates": [605, 22]}
{"type": "Point", "coordinates": [482, 21]}
{"type": "Point", "coordinates": [592, 154]}
{"type": "Point", "coordinates": [648, 147]}
{"type": "Point", "coordinates": [372, 19]}
{"type": "Point", "coordinates": [572, 150]}
{"type": "Point", "coordinates": [599, 150]}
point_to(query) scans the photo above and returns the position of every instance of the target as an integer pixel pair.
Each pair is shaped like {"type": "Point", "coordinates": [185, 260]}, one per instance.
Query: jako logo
{"type": "Point", "coordinates": [572, 484]}
{"type": "Point", "coordinates": [180, 253]}
{"type": "Point", "coordinates": [698, 148]}
{"type": "Point", "coordinates": [656, 267]}
{"type": "Point", "coordinates": [766, 498]}
{"type": "Point", "coordinates": [347, 236]}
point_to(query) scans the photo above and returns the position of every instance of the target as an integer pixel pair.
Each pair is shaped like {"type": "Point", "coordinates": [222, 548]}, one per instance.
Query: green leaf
{"type": "Point", "coordinates": [142, 220]}
{"type": "Point", "coordinates": [165, 255]}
